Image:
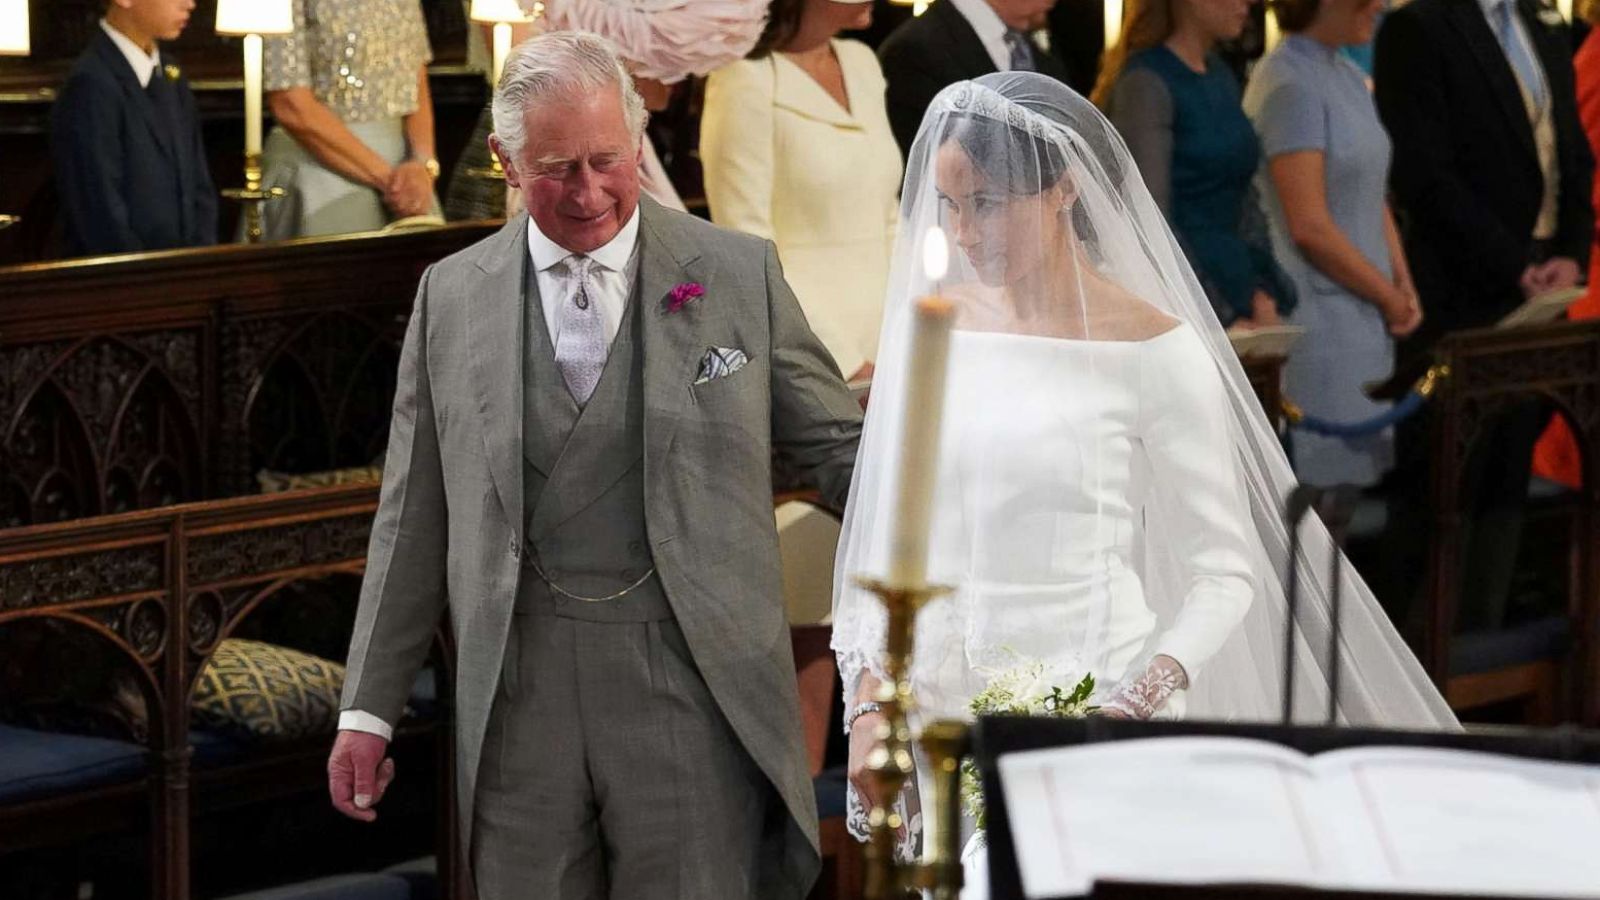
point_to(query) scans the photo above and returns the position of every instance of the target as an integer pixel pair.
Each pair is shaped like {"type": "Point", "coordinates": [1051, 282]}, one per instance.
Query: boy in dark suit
{"type": "Point", "coordinates": [130, 162]}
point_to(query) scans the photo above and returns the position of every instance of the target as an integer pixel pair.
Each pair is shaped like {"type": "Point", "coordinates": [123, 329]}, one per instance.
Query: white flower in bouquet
{"type": "Point", "coordinates": [1030, 689]}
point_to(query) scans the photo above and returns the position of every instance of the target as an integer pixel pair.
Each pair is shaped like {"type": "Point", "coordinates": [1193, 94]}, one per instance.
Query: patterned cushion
{"type": "Point", "coordinates": [254, 690]}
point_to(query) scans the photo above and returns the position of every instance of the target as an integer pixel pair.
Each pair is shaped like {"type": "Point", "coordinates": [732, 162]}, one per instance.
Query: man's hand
{"type": "Point", "coordinates": [1553, 274]}
{"type": "Point", "coordinates": [358, 773]}
{"type": "Point", "coordinates": [1264, 310]}
{"type": "Point", "coordinates": [410, 190]}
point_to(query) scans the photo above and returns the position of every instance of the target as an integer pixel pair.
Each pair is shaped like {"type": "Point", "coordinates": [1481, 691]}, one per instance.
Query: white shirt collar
{"type": "Point", "coordinates": [991, 30]}
{"type": "Point", "coordinates": [144, 64]}
{"type": "Point", "coordinates": [613, 255]}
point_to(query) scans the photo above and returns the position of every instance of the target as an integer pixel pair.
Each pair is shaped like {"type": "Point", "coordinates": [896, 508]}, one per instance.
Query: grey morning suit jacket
{"type": "Point", "coordinates": [448, 533]}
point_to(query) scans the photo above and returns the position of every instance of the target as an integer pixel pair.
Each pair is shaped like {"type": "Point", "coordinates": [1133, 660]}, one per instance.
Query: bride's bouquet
{"type": "Point", "coordinates": [1030, 689]}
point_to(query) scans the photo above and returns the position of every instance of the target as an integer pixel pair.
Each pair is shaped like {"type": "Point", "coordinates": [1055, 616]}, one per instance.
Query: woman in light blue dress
{"type": "Point", "coordinates": [1325, 178]}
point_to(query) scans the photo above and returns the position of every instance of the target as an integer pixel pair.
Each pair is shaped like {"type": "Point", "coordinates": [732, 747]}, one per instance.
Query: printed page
{"type": "Point", "coordinates": [1272, 340]}
{"type": "Point", "coordinates": [1546, 307]}
{"type": "Point", "coordinates": [1454, 822]}
{"type": "Point", "coordinates": [1177, 810]}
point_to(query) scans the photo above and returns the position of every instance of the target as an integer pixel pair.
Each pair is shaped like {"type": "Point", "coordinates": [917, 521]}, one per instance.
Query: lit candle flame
{"type": "Point", "coordinates": [935, 254]}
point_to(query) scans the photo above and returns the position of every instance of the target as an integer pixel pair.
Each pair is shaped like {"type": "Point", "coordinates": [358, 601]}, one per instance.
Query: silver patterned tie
{"type": "Point", "coordinates": [581, 347]}
{"type": "Point", "coordinates": [1021, 56]}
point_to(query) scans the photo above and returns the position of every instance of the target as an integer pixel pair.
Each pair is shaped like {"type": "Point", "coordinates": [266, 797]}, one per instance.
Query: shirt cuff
{"type": "Point", "coordinates": [356, 720]}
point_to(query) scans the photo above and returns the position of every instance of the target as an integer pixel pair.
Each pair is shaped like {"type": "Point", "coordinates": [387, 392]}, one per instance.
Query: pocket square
{"type": "Point", "coordinates": [720, 362]}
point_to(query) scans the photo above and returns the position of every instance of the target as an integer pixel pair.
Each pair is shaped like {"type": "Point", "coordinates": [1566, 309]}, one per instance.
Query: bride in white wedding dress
{"type": "Point", "coordinates": [1110, 492]}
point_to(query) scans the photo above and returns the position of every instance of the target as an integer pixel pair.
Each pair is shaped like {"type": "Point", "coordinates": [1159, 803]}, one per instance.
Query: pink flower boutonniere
{"type": "Point", "coordinates": [683, 294]}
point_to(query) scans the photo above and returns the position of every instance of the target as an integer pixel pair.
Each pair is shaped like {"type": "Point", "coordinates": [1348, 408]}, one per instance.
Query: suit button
{"type": "Point", "coordinates": [516, 549]}
{"type": "Point", "coordinates": [635, 547]}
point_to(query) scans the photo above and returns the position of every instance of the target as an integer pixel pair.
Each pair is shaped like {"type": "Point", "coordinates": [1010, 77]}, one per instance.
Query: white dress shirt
{"type": "Point", "coordinates": [144, 64]}
{"type": "Point", "coordinates": [991, 31]}
{"type": "Point", "coordinates": [610, 278]}
{"type": "Point", "coordinates": [611, 283]}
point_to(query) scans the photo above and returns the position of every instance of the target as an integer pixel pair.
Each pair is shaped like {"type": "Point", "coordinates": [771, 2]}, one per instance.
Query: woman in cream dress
{"type": "Point", "coordinates": [797, 149]}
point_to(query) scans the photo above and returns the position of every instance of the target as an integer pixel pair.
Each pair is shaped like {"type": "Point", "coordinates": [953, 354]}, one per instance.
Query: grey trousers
{"type": "Point", "coordinates": [609, 772]}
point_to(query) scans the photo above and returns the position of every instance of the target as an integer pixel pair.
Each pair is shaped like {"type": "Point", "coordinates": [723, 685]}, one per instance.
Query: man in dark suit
{"type": "Point", "coordinates": [1491, 178]}
{"type": "Point", "coordinates": [129, 158]}
{"type": "Point", "coordinates": [955, 40]}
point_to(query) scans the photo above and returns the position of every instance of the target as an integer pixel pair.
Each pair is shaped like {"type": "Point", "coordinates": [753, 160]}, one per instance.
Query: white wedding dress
{"type": "Point", "coordinates": [1047, 489]}
{"type": "Point", "coordinates": [1040, 511]}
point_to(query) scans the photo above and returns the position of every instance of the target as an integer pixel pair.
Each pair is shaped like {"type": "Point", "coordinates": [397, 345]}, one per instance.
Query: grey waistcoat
{"type": "Point", "coordinates": [602, 548]}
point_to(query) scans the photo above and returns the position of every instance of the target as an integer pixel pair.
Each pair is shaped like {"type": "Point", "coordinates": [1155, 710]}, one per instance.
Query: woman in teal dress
{"type": "Point", "coordinates": [1177, 105]}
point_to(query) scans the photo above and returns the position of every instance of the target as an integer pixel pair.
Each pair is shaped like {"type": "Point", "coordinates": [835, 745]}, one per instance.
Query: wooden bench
{"type": "Point", "coordinates": [159, 590]}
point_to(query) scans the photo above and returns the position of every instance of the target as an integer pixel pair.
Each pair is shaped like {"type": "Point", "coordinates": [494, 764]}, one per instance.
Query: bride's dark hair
{"type": "Point", "coordinates": [1025, 162]}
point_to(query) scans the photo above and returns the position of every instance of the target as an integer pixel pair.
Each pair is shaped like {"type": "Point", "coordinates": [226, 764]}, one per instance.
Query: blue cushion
{"type": "Point", "coordinates": [830, 787]}
{"type": "Point", "coordinates": [1368, 519]}
{"type": "Point", "coordinates": [339, 887]}
{"type": "Point", "coordinates": [45, 764]}
{"type": "Point", "coordinates": [423, 876]}
{"type": "Point", "coordinates": [1488, 651]}
{"type": "Point", "coordinates": [213, 748]}
{"type": "Point", "coordinates": [1545, 489]}
{"type": "Point", "coordinates": [424, 700]}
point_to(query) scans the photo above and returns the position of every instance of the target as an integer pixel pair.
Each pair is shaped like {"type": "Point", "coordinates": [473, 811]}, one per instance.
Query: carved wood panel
{"type": "Point", "coordinates": [209, 367]}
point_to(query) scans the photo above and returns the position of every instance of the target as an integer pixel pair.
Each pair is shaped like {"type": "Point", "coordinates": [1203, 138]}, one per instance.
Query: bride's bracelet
{"type": "Point", "coordinates": [869, 707]}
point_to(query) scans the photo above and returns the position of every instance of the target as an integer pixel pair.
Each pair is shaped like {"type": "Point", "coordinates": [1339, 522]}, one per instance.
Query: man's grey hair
{"type": "Point", "coordinates": [570, 63]}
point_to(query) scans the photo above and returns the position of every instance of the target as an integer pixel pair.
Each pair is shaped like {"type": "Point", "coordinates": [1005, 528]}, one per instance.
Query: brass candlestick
{"type": "Point", "coordinates": [891, 765]}
{"type": "Point", "coordinates": [252, 195]}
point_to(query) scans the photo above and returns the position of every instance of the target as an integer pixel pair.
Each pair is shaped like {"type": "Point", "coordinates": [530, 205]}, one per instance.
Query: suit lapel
{"type": "Point", "coordinates": [670, 339]}
{"type": "Point", "coordinates": [1468, 18]}
{"type": "Point", "coordinates": [545, 393]}
{"type": "Point", "coordinates": [138, 97]}
{"type": "Point", "coordinates": [495, 326]}
{"type": "Point", "coordinates": [961, 41]}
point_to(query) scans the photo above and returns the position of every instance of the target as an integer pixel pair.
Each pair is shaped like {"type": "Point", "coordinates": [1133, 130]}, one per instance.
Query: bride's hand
{"type": "Point", "coordinates": [863, 740]}
{"type": "Point", "coordinates": [1142, 696]}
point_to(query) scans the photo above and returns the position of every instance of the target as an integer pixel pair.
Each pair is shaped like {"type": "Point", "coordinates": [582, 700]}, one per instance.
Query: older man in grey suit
{"type": "Point", "coordinates": [579, 470]}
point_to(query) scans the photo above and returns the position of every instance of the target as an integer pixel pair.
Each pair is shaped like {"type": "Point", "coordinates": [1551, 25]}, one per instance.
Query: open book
{"type": "Point", "coordinates": [1546, 307]}
{"type": "Point", "coordinates": [1272, 340]}
{"type": "Point", "coordinates": [1206, 810]}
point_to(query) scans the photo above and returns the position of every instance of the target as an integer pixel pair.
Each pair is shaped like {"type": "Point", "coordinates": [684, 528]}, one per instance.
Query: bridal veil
{"type": "Point", "coordinates": [1078, 318]}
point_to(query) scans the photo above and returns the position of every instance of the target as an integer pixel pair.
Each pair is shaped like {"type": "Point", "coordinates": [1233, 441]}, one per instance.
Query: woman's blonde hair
{"type": "Point", "coordinates": [1145, 24]}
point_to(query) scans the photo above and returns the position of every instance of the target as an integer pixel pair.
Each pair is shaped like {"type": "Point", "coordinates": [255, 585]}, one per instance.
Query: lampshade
{"type": "Point", "coordinates": [14, 28]}
{"type": "Point", "coordinates": [241, 17]}
{"type": "Point", "coordinates": [498, 11]}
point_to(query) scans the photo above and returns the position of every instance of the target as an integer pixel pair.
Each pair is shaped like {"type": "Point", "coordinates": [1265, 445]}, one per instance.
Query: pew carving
{"type": "Point", "coordinates": [1491, 372]}
{"type": "Point", "coordinates": [142, 381]}
{"type": "Point", "coordinates": [160, 590]}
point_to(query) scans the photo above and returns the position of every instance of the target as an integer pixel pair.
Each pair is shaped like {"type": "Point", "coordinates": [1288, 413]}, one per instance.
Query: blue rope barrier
{"type": "Point", "coordinates": [1404, 409]}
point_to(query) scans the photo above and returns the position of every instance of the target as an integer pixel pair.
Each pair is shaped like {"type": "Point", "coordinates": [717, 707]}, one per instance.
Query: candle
{"type": "Point", "coordinates": [1273, 33]}
{"type": "Point", "coordinates": [252, 95]}
{"type": "Point", "coordinates": [1113, 23]}
{"type": "Point", "coordinates": [931, 318]}
{"type": "Point", "coordinates": [502, 49]}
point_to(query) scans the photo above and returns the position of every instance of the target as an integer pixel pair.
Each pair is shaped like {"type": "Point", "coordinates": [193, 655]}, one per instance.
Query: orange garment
{"type": "Point", "coordinates": [1556, 457]}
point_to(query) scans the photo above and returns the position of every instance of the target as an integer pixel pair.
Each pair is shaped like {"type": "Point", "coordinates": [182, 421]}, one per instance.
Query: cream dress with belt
{"type": "Point", "coordinates": [783, 160]}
